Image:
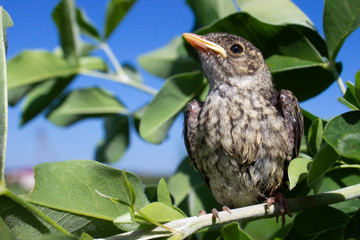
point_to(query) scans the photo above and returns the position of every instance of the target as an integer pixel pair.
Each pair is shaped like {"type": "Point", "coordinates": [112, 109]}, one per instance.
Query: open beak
{"type": "Point", "coordinates": [198, 41]}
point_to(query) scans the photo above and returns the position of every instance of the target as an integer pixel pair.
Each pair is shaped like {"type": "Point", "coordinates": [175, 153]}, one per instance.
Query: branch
{"type": "Point", "coordinates": [187, 226]}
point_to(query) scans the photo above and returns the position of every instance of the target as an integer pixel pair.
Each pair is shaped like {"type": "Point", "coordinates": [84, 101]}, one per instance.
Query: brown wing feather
{"type": "Point", "coordinates": [290, 110]}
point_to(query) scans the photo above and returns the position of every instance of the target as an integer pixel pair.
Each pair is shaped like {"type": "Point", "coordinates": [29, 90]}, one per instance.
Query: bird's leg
{"type": "Point", "coordinates": [283, 206]}
{"type": "Point", "coordinates": [215, 212]}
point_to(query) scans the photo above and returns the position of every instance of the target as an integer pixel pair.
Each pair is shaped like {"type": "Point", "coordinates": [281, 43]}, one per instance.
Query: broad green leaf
{"type": "Point", "coordinates": [163, 194]}
{"type": "Point", "coordinates": [298, 170]}
{"type": "Point", "coordinates": [349, 97]}
{"type": "Point", "coordinates": [189, 190]}
{"type": "Point", "coordinates": [357, 86]}
{"type": "Point", "coordinates": [279, 63]}
{"type": "Point", "coordinates": [159, 212]}
{"type": "Point", "coordinates": [31, 67]}
{"type": "Point", "coordinates": [64, 16]}
{"type": "Point", "coordinates": [116, 139]}
{"type": "Point", "coordinates": [323, 160]}
{"type": "Point", "coordinates": [24, 225]}
{"type": "Point", "coordinates": [343, 134]}
{"type": "Point", "coordinates": [232, 231]}
{"type": "Point", "coordinates": [277, 12]}
{"type": "Point", "coordinates": [340, 19]}
{"type": "Point", "coordinates": [85, 25]}
{"type": "Point", "coordinates": [171, 99]}
{"type": "Point", "coordinates": [41, 96]}
{"type": "Point", "coordinates": [85, 103]}
{"type": "Point", "coordinates": [169, 60]}
{"type": "Point", "coordinates": [326, 218]}
{"type": "Point", "coordinates": [86, 236]}
{"type": "Point", "coordinates": [5, 233]}
{"type": "Point", "coordinates": [309, 118]}
{"type": "Point", "coordinates": [70, 186]}
{"type": "Point", "coordinates": [128, 189]}
{"type": "Point", "coordinates": [208, 11]}
{"type": "Point", "coordinates": [115, 12]}
{"type": "Point", "coordinates": [315, 136]}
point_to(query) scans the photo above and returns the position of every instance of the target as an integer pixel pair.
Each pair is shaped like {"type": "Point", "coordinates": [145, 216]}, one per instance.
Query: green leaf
{"type": "Point", "coordinates": [357, 87]}
{"type": "Point", "coordinates": [5, 233]}
{"type": "Point", "coordinates": [85, 25]}
{"type": "Point", "coordinates": [116, 140]}
{"type": "Point", "coordinates": [56, 237]}
{"type": "Point", "coordinates": [343, 134]}
{"type": "Point", "coordinates": [347, 103]}
{"type": "Point", "coordinates": [323, 160]}
{"type": "Point", "coordinates": [128, 189]}
{"type": "Point", "coordinates": [189, 190]}
{"type": "Point", "coordinates": [70, 186]}
{"type": "Point", "coordinates": [169, 60]}
{"type": "Point", "coordinates": [6, 22]}
{"type": "Point", "coordinates": [279, 63]}
{"type": "Point", "coordinates": [349, 98]}
{"type": "Point", "coordinates": [276, 12]}
{"type": "Point", "coordinates": [326, 218]}
{"type": "Point", "coordinates": [163, 194]}
{"type": "Point", "coordinates": [208, 11]}
{"type": "Point", "coordinates": [31, 67]}
{"type": "Point", "coordinates": [64, 16]}
{"type": "Point", "coordinates": [132, 72]}
{"type": "Point", "coordinates": [24, 225]}
{"type": "Point", "coordinates": [126, 223]}
{"type": "Point", "coordinates": [159, 212]}
{"type": "Point", "coordinates": [232, 231]}
{"type": "Point", "coordinates": [340, 19]}
{"type": "Point", "coordinates": [352, 227]}
{"type": "Point", "coordinates": [41, 96]}
{"type": "Point", "coordinates": [298, 170]}
{"type": "Point", "coordinates": [115, 12]}
{"type": "Point", "coordinates": [315, 136]}
{"type": "Point", "coordinates": [171, 99]}
{"type": "Point", "coordinates": [85, 103]}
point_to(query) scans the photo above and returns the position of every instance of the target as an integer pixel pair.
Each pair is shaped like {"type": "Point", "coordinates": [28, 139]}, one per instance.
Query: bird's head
{"type": "Point", "coordinates": [231, 60]}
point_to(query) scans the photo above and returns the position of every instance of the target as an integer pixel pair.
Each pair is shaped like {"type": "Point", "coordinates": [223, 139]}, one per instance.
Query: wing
{"type": "Point", "coordinates": [290, 110]}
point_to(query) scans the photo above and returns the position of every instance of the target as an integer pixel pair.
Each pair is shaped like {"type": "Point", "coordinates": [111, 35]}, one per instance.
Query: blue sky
{"type": "Point", "coordinates": [148, 25]}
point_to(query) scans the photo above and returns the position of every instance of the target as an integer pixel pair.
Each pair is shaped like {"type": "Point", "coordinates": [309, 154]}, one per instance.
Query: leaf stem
{"type": "Point", "coordinates": [119, 79]}
{"type": "Point", "coordinates": [36, 211]}
{"type": "Point", "coordinates": [187, 226]}
{"type": "Point", "coordinates": [104, 46]}
{"type": "Point", "coordinates": [341, 85]}
{"type": "Point", "coordinates": [3, 103]}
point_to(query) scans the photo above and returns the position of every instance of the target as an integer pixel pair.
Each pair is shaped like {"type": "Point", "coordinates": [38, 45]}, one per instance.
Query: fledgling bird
{"type": "Point", "coordinates": [242, 138]}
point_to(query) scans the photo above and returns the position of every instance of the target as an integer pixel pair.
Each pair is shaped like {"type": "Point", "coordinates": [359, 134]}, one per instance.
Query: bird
{"type": "Point", "coordinates": [243, 136]}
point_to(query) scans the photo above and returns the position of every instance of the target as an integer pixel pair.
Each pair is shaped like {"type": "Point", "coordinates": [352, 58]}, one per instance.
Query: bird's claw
{"type": "Point", "coordinates": [283, 206]}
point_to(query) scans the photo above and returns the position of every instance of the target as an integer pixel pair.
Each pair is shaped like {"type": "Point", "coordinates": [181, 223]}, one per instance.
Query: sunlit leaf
{"type": "Point", "coordinates": [159, 212]}
{"type": "Point", "coordinates": [357, 86]}
{"type": "Point", "coordinates": [277, 12]}
{"type": "Point", "coordinates": [116, 11]}
{"type": "Point", "coordinates": [315, 136]}
{"type": "Point", "coordinates": [340, 19]}
{"type": "Point", "coordinates": [163, 194]}
{"type": "Point", "coordinates": [323, 160]}
{"type": "Point", "coordinates": [85, 25]}
{"type": "Point", "coordinates": [298, 170]}
{"type": "Point", "coordinates": [85, 103]}
{"type": "Point", "coordinates": [128, 189]}
{"type": "Point", "coordinates": [207, 11]}
{"type": "Point", "coordinates": [171, 99]}
{"type": "Point", "coordinates": [70, 186]}
{"type": "Point", "coordinates": [169, 60]}
{"type": "Point", "coordinates": [232, 231]}
{"type": "Point", "coordinates": [343, 134]}
{"type": "Point", "coordinates": [64, 16]}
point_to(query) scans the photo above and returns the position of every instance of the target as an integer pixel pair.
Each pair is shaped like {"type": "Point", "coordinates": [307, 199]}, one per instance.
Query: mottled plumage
{"type": "Point", "coordinates": [242, 138]}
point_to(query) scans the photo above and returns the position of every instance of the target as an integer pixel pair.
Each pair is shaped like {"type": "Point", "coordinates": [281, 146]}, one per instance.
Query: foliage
{"type": "Point", "coordinates": [82, 199]}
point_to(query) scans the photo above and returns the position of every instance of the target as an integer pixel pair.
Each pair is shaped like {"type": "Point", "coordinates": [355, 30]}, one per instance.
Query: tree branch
{"type": "Point", "coordinates": [187, 226]}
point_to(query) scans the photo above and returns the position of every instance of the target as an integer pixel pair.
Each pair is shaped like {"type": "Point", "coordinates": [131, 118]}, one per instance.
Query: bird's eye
{"type": "Point", "coordinates": [236, 48]}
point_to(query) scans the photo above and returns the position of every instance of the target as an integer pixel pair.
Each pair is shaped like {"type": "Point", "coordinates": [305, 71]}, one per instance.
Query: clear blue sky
{"type": "Point", "coordinates": [149, 25]}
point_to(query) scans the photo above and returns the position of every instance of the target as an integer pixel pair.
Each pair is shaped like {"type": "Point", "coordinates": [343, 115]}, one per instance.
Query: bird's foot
{"type": "Point", "coordinates": [215, 212]}
{"type": "Point", "coordinates": [283, 206]}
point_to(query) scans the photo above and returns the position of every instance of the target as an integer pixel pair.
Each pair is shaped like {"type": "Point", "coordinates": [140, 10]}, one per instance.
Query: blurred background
{"type": "Point", "coordinates": [147, 26]}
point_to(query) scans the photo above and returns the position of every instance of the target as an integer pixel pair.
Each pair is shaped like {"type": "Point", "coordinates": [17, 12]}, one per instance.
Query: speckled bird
{"type": "Point", "coordinates": [242, 138]}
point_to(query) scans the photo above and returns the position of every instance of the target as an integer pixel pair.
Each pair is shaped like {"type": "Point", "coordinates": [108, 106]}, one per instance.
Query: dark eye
{"type": "Point", "coordinates": [236, 48]}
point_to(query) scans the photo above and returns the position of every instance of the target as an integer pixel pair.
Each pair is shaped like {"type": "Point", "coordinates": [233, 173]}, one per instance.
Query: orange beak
{"type": "Point", "coordinates": [198, 41]}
